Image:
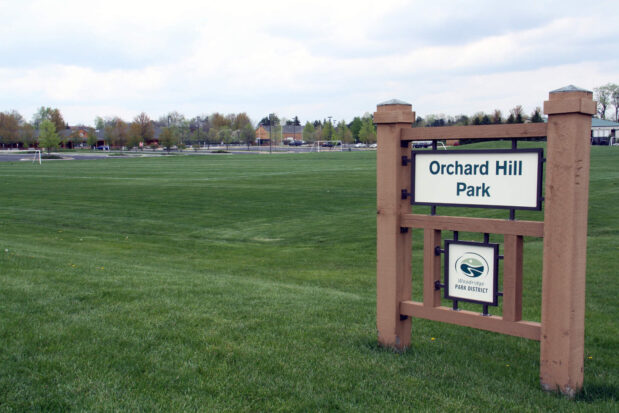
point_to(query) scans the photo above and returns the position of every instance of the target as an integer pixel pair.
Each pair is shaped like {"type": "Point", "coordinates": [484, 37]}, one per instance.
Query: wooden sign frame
{"type": "Point", "coordinates": [564, 230]}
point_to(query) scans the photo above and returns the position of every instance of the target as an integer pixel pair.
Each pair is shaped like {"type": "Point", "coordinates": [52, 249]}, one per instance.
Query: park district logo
{"type": "Point", "coordinates": [471, 265]}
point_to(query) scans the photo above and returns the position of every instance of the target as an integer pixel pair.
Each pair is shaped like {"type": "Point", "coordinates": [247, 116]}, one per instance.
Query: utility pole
{"type": "Point", "coordinates": [198, 119]}
{"type": "Point", "coordinates": [270, 133]}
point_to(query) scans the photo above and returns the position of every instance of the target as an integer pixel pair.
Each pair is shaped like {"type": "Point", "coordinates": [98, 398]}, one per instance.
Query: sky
{"type": "Point", "coordinates": [312, 59]}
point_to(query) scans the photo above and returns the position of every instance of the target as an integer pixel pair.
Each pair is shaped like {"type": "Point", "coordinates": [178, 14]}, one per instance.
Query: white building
{"type": "Point", "coordinates": [604, 132]}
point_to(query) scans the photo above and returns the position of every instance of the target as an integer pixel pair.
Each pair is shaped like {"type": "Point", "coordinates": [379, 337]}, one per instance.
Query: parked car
{"type": "Point", "coordinates": [374, 145]}
{"type": "Point", "coordinates": [103, 148]}
{"type": "Point", "coordinates": [600, 140]}
{"type": "Point", "coordinates": [296, 143]}
{"type": "Point", "coordinates": [422, 144]}
{"type": "Point", "coordinates": [360, 145]}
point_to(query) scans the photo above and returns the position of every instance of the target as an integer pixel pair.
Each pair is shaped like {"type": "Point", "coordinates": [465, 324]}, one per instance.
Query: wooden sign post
{"type": "Point", "coordinates": [564, 230]}
{"type": "Point", "coordinates": [565, 239]}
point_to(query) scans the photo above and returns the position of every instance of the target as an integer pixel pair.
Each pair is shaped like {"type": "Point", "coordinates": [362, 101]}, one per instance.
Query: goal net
{"type": "Point", "coordinates": [37, 156]}
{"type": "Point", "coordinates": [327, 146]}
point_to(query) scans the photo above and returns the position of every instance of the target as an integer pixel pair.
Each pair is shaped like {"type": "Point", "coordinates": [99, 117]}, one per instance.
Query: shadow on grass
{"type": "Point", "coordinates": [597, 392]}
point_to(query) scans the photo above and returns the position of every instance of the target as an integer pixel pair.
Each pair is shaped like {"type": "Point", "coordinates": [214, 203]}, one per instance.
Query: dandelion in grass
{"type": "Point", "coordinates": [432, 339]}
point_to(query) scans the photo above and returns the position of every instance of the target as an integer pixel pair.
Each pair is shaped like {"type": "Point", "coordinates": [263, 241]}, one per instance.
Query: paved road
{"type": "Point", "coordinates": [28, 157]}
{"type": "Point", "coordinates": [10, 156]}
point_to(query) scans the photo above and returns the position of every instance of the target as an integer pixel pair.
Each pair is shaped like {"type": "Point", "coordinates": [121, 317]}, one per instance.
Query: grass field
{"type": "Point", "coordinates": [247, 283]}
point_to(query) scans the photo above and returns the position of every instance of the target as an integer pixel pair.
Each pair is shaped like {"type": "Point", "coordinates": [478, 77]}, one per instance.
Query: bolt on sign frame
{"type": "Point", "coordinates": [564, 230]}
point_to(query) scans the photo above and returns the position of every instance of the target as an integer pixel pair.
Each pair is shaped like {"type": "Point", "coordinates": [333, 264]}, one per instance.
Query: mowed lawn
{"type": "Point", "coordinates": [247, 283]}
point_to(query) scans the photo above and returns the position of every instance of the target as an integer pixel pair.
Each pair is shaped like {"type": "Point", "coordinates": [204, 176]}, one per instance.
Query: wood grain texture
{"type": "Point", "coordinates": [520, 130]}
{"type": "Point", "coordinates": [489, 225]}
{"type": "Point", "coordinates": [526, 329]}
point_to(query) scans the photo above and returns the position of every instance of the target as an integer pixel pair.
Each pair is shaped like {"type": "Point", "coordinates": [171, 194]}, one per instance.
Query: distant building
{"type": "Point", "coordinates": [74, 137]}
{"type": "Point", "coordinates": [604, 132]}
{"type": "Point", "coordinates": [280, 133]}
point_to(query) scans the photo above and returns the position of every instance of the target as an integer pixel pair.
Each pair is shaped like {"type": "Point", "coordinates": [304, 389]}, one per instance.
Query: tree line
{"type": "Point", "coordinates": [516, 115]}
{"type": "Point", "coordinates": [49, 130]}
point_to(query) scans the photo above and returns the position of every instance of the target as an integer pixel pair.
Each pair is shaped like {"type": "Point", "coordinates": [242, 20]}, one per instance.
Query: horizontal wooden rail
{"type": "Point", "coordinates": [519, 131]}
{"type": "Point", "coordinates": [526, 329]}
{"type": "Point", "coordinates": [485, 225]}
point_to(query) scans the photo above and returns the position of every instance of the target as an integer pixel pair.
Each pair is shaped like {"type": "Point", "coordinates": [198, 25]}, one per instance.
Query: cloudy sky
{"type": "Point", "coordinates": [312, 59]}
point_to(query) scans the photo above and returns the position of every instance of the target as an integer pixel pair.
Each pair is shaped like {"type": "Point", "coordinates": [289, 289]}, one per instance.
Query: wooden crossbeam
{"type": "Point", "coordinates": [512, 131]}
{"type": "Point", "coordinates": [526, 329]}
{"type": "Point", "coordinates": [484, 225]}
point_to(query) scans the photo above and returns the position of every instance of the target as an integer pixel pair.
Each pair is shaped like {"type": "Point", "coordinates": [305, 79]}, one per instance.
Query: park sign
{"type": "Point", "coordinates": [471, 272]}
{"type": "Point", "coordinates": [478, 178]}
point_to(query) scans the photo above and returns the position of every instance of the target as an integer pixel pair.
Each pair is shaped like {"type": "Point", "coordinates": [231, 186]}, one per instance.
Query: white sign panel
{"type": "Point", "coordinates": [471, 272]}
{"type": "Point", "coordinates": [493, 178]}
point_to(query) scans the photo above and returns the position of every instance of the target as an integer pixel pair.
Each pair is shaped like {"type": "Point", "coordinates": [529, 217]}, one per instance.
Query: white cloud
{"type": "Point", "coordinates": [312, 59]}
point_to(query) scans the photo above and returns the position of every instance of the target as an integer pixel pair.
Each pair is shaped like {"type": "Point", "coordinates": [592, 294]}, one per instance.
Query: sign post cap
{"type": "Point", "coordinates": [570, 88]}
{"type": "Point", "coordinates": [394, 102]}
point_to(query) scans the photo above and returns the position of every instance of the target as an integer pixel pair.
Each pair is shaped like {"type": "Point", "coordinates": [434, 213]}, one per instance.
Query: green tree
{"type": "Point", "coordinates": [248, 134]}
{"type": "Point", "coordinates": [477, 118]}
{"type": "Point", "coordinates": [367, 134]}
{"type": "Point", "coordinates": [342, 132]}
{"type": "Point", "coordinates": [327, 131]}
{"type": "Point", "coordinates": [308, 132]}
{"type": "Point", "coordinates": [48, 138]}
{"type": "Point", "coordinates": [536, 116]}
{"type": "Point", "coordinates": [167, 138]}
{"type": "Point", "coordinates": [51, 114]}
{"type": "Point", "coordinates": [43, 113]}
{"type": "Point", "coordinates": [92, 137]}
{"type": "Point", "coordinates": [225, 135]}
{"type": "Point", "coordinates": [318, 136]}
{"type": "Point", "coordinates": [462, 120]}
{"type": "Point", "coordinates": [211, 137]}
{"type": "Point", "coordinates": [272, 119]}
{"type": "Point", "coordinates": [355, 127]}
{"type": "Point", "coordinates": [99, 123]}
{"type": "Point", "coordinates": [182, 131]}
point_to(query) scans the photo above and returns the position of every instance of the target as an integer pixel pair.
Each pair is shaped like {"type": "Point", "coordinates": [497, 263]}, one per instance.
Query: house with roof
{"type": "Point", "coordinates": [74, 137]}
{"type": "Point", "coordinates": [604, 132]}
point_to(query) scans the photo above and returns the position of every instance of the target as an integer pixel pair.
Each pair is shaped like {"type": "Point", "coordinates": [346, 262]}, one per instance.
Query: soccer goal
{"type": "Point", "coordinates": [37, 155]}
{"type": "Point", "coordinates": [327, 146]}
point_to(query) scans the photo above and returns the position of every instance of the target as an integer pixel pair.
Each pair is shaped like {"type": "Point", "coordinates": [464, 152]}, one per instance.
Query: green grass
{"type": "Point", "coordinates": [247, 283]}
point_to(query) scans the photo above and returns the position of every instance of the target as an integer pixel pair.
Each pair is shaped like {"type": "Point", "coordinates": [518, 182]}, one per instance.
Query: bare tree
{"type": "Point", "coordinates": [518, 114]}
{"type": "Point", "coordinates": [615, 100]}
{"type": "Point", "coordinates": [497, 117]}
{"type": "Point", "coordinates": [603, 96]}
{"type": "Point", "coordinates": [141, 130]}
